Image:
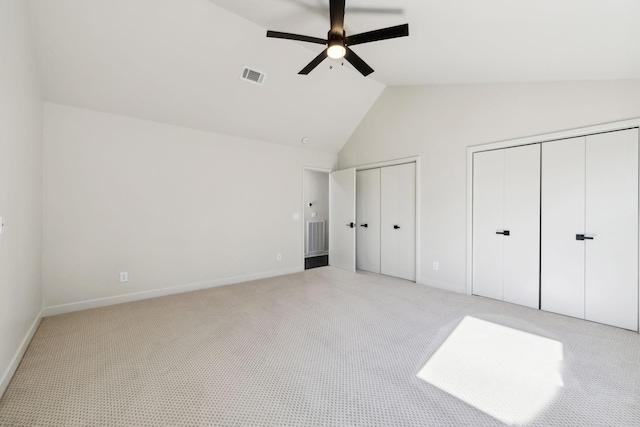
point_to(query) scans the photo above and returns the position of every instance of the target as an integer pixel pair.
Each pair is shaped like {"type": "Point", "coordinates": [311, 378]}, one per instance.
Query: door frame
{"type": "Point", "coordinates": [537, 139]}
{"type": "Point", "coordinates": [402, 161]}
{"type": "Point", "coordinates": [302, 209]}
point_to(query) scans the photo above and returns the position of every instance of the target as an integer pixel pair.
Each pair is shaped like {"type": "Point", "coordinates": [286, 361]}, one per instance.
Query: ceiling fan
{"type": "Point", "coordinates": [338, 43]}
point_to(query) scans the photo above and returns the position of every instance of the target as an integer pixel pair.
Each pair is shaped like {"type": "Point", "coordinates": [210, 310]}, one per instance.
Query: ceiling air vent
{"type": "Point", "coordinates": [253, 76]}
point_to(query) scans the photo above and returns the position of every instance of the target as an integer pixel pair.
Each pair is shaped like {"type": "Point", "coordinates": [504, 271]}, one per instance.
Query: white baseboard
{"type": "Point", "coordinates": [445, 286]}
{"type": "Point", "coordinates": [17, 357]}
{"type": "Point", "coordinates": [137, 296]}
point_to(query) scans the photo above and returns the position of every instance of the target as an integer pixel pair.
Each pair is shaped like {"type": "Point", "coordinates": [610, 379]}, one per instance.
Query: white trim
{"type": "Point", "coordinates": [445, 286]}
{"type": "Point", "coordinates": [17, 357]}
{"type": "Point", "coordinates": [547, 137]}
{"type": "Point", "coordinates": [310, 168]}
{"type": "Point", "coordinates": [469, 221]}
{"type": "Point", "coordinates": [402, 161]}
{"type": "Point", "coordinates": [572, 133]}
{"type": "Point", "coordinates": [414, 159]}
{"type": "Point", "coordinates": [418, 222]}
{"type": "Point", "coordinates": [137, 296]}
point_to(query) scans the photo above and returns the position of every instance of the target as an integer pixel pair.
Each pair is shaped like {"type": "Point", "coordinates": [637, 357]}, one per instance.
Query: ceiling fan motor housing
{"type": "Point", "coordinates": [335, 35]}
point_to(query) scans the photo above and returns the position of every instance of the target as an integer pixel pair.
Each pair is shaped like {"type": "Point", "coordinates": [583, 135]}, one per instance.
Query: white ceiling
{"type": "Point", "coordinates": [476, 41]}
{"type": "Point", "coordinates": [179, 61]}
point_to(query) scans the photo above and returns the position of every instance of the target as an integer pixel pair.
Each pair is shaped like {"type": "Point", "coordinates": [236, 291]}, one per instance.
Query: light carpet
{"type": "Point", "coordinates": [319, 348]}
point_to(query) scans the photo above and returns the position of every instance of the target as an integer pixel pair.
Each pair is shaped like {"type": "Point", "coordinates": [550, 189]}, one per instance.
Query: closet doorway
{"type": "Point", "coordinates": [553, 222]}
{"type": "Point", "coordinates": [374, 211]}
{"type": "Point", "coordinates": [386, 220]}
{"type": "Point", "coordinates": [315, 188]}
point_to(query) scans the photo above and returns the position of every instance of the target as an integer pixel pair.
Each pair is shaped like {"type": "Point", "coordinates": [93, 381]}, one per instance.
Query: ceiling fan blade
{"type": "Point", "coordinates": [298, 37]}
{"type": "Point", "coordinates": [313, 64]}
{"type": "Point", "coordinates": [358, 63]}
{"type": "Point", "coordinates": [374, 10]}
{"type": "Point", "coordinates": [336, 11]}
{"type": "Point", "coordinates": [382, 34]}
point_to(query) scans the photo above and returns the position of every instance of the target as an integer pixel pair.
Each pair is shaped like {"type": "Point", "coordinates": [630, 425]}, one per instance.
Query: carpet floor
{"type": "Point", "coordinates": [318, 348]}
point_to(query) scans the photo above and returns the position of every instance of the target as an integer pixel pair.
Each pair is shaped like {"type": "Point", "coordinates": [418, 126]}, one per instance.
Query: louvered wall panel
{"type": "Point", "coordinates": [315, 237]}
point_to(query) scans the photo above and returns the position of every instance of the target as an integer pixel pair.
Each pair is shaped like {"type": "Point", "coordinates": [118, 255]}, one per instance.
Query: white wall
{"type": "Point", "coordinates": [173, 207]}
{"type": "Point", "coordinates": [20, 188]}
{"type": "Point", "coordinates": [437, 123]}
{"type": "Point", "coordinates": [316, 191]}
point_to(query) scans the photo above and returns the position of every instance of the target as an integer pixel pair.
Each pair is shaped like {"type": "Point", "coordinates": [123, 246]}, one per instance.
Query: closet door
{"type": "Point", "coordinates": [342, 216]}
{"type": "Point", "coordinates": [563, 213]}
{"type": "Point", "coordinates": [488, 218]}
{"type": "Point", "coordinates": [521, 259]}
{"type": "Point", "coordinates": [611, 283]}
{"type": "Point", "coordinates": [398, 221]}
{"type": "Point", "coordinates": [506, 224]}
{"type": "Point", "coordinates": [368, 220]}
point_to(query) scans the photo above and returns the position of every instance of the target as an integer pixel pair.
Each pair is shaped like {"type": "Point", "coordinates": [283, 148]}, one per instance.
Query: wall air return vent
{"type": "Point", "coordinates": [253, 76]}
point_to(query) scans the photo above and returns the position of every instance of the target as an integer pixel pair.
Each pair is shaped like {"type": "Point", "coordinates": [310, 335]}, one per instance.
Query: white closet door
{"type": "Point", "coordinates": [342, 217]}
{"type": "Point", "coordinates": [563, 207]}
{"type": "Point", "coordinates": [611, 286]}
{"type": "Point", "coordinates": [522, 218]}
{"type": "Point", "coordinates": [368, 220]}
{"type": "Point", "coordinates": [488, 209]}
{"type": "Point", "coordinates": [398, 221]}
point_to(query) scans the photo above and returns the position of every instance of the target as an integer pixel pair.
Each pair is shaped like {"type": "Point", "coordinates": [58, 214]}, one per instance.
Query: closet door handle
{"type": "Point", "coordinates": [583, 237]}
{"type": "Point", "coordinates": [504, 232]}
{"type": "Point", "coordinates": [351, 225]}
{"type": "Point", "coordinates": [364, 225]}
{"type": "Point", "coordinates": [395, 227]}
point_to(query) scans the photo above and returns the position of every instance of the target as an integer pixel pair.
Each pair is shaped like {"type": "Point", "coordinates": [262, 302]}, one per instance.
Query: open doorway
{"type": "Point", "coordinates": [316, 217]}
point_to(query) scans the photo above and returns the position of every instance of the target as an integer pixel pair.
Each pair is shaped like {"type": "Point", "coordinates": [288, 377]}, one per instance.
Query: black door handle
{"type": "Point", "coordinates": [364, 225]}
{"type": "Point", "coordinates": [583, 237]}
{"type": "Point", "coordinates": [395, 227]}
{"type": "Point", "coordinates": [351, 225]}
{"type": "Point", "coordinates": [504, 233]}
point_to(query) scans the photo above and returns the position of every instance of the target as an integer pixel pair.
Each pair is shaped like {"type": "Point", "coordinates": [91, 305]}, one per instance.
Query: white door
{"type": "Point", "coordinates": [506, 225]}
{"type": "Point", "coordinates": [368, 220]}
{"type": "Point", "coordinates": [611, 282]}
{"type": "Point", "coordinates": [563, 212]}
{"type": "Point", "coordinates": [488, 220]}
{"type": "Point", "coordinates": [398, 221]}
{"type": "Point", "coordinates": [522, 218]}
{"type": "Point", "coordinates": [342, 217]}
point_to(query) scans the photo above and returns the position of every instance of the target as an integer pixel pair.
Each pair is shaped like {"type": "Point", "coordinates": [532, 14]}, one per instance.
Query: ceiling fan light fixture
{"type": "Point", "coordinates": [338, 44]}
{"type": "Point", "coordinates": [336, 49]}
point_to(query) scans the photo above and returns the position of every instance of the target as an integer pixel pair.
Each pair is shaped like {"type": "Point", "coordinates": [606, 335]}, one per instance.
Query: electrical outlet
{"type": "Point", "coordinates": [436, 265]}
{"type": "Point", "coordinates": [124, 277]}
{"type": "Point", "coordinates": [279, 257]}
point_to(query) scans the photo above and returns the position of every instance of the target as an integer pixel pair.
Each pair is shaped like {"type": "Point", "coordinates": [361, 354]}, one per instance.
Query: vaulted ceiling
{"type": "Point", "coordinates": [179, 61]}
